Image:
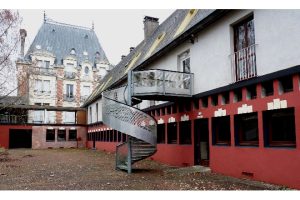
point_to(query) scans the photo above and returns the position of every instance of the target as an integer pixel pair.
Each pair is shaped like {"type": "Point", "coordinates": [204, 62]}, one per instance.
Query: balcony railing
{"type": "Point", "coordinates": [69, 98]}
{"type": "Point", "coordinates": [243, 63]}
{"type": "Point", "coordinates": [43, 71]}
{"type": "Point", "coordinates": [70, 75]}
{"type": "Point", "coordinates": [13, 119]}
{"type": "Point", "coordinates": [162, 82]}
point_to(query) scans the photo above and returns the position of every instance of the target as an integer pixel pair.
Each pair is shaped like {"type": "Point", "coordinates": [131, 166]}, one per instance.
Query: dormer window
{"type": "Point", "coordinates": [73, 52]}
{"type": "Point", "coordinates": [86, 70]}
{"type": "Point", "coordinates": [97, 55]}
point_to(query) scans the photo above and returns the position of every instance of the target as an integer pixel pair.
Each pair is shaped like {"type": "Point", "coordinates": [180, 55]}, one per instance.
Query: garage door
{"type": "Point", "coordinates": [20, 138]}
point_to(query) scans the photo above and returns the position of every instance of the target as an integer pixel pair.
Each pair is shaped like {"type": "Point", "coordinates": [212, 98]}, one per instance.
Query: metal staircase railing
{"type": "Point", "coordinates": [118, 111]}
{"type": "Point", "coordinates": [140, 127]}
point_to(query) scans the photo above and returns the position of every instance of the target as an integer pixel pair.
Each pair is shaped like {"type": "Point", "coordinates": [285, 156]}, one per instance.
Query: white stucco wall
{"type": "Point", "coordinates": [94, 116]}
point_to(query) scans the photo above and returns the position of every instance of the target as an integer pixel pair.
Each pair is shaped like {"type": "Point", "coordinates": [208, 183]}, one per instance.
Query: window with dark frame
{"type": "Point", "coordinates": [70, 91]}
{"type": "Point", "coordinates": [237, 95]}
{"type": "Point", "coordinates": [187, 106]}
{"type": "Point", "coordinates": [124, 137]}
{"type": "Point", "coordinates": [204, 102]}
{"type": "Point", "coordinates": [221, 130]}
{"type": "Point", "coordinates": [267, 88]}
{"type": "Point", "coordinates": [61, 135]}
{"type": "Point", "coordinates": [157, 112]}
{"type": "Point", "coordinates": [225, 98]}
{"type": "Point", "coordinates": [246, 129]}
{"type": "Point", "coordinates": [97, 112]}
{"type": "Point", "coordinates": [169, 109]}
{"type": "Point", "coordinates": [181, 106]}
{"type": "Point", "coordinates": [285, 84]}
{"type": "Point", "coordinates": [244, 48]}
{"type": "Point", "coordinates": [174, 108]}
{"type": "Point", "coordinates": [214, 100]}
{"type": "Point", "coordinates": [50, 135]}
{"type": "Point", "coordinates": [72, 135]}
{"type": "Point", "coordinates": [172, 133]}
{"type": "Point", "coordinates": [185, 131]}
{"type": "Point", "coordinates": [279, 128]}
{"type": "Point", "coordinates": [163, 111]}
{"type": "Point", "coordinates": [161, 135]}
{"type": "Point", "coordinates": [196, 104]}
{"type": "Point", "coordinates": [115, 135]}
{"type": "Point", "coordinates": [119, 136]}
{"type": "Point", "coordinates": [251, 92]}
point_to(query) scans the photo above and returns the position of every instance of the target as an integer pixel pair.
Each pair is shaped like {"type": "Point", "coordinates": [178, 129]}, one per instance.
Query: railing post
{"type": "Point", "coordinates": [129, 169]}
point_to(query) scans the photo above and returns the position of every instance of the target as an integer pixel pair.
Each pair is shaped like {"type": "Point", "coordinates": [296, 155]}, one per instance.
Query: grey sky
{"type": "Point", "coordinates": [117, 30]}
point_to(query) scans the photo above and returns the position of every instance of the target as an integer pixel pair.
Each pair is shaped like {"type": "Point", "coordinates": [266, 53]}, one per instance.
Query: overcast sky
{"type": "Point", "coordinates": [117, 30]}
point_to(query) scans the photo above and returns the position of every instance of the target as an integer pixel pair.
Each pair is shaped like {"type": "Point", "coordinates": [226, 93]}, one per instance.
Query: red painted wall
{"type": "Point", "coordinates": [4, 133]}
{"type": "Point", "coordinates": [274, 165]}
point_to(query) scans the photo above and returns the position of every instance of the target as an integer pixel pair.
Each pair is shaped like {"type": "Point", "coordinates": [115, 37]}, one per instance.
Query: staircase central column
{"type": "Point", "coordinates": [129, 159]}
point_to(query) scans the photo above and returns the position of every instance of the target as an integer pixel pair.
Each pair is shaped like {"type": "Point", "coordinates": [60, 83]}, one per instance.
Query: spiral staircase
{"type": "Point", "coordinates": [119, 113]}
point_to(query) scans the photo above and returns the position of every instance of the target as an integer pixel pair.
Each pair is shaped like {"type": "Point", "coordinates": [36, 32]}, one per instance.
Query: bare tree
{"type": "Point", "coordinates": [9, 42]}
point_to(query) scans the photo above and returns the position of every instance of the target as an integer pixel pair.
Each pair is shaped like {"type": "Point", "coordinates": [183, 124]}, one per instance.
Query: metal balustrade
{"type": "Point", "coordinates": [69, 98]}
{"type": "Point", "coordinates": [43, 71]}
{"type": "Point", "coordinates": [243, 63]}
{"type": "Point", "coordinates": [162, 82]}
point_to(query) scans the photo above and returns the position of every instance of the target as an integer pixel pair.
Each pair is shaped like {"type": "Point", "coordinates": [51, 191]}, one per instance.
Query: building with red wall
{"type": "Point", "coordinates": [242, 116]}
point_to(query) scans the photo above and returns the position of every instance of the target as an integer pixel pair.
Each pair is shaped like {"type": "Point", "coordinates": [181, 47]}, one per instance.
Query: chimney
{"type": "Point", "coordinates": [131, 49]}
{"type": "Point", "coordinates": [122, 57]}
{"type": "Point", "coordinates": [150, 25]}
{"type": "Point", "coordinates": [23, 35]}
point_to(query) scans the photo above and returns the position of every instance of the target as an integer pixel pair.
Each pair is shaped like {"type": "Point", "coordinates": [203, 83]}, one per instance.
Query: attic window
{"type": "Point", "coordinates": [97, 55]}
{"type": "Point", "coordinates": [86, 70]}
{"type": "Point", "coordinates": [38, 46]}
{"type": "Point", "coordinates": [86, 37]}
{"type": "Point", "coordinates": [73, 52]}
{"type": "Point", "coordinates": [85, 53]}
{"type": "Point", "coordinates": [53, 30]}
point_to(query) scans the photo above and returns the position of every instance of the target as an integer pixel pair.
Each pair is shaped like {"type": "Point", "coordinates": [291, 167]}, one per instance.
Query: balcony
{"type": "Point", "coordinates": [69, 98]}
{"type": "Point", "coordinates": [243, 64]}
{"type": "Point", "coordinates": [13, 119]}
{"type": "Point", "coordinates": [70, 75]}
{"type": "Point", "coordinates": [43, 71]}
{"type": "Point", "coordinates": [162, 83]}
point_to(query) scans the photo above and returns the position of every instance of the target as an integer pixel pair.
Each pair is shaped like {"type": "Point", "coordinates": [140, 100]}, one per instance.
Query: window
{"type": "Point", "coordinates": [196, 104]}
{"type": "Point", "coordinates": [46, 64]}
{"type": "Point", "coordinates": [61, 135]}
{"type": "Point", "coordinates": [97, 112]}
{"type": "Point", "coordinates": [246, 129]}
{"type": "Point", "coordinates": [86, 70]}
{"type": "Point", "coordinates": [72, 135]}
{"type": "Point", "coordinates": [157, 112]}
{"type": "Point", "coordinates": [38, 115]}
{"type": "Point", "coordinates": [285, 84]}
{"type": "Point", "coordinates": [185, 132]}
{"type": "Point", "coordinates": [172, 133]}
{"type": "Point", "coordinates": [251, 92]}
{"type": "Point", "coordinates": [91, 114]}
{"type": "Point", "coordinates": [214, 100]}
{"type": "Point", "coordinates": [169, 110]}
{"type": "Point", "coordinates": [174, 108]}
{"type": "Point", "coordinates": [225, 98]}
{"type": "Point", "coordinates": [267, 89]}
{"type": "Point", "coordinates": [163, 111]}
{"type": "Point", "coordinates": [115, 135]}
{"type": "Point", "coordinates": [181, 106]}
{"type": "Point", "coordinates": [70, 93]}
{"type": "Point", "coordinates": [86, 90]}
{"type": "Point", "coordinates": [184, 62]}
{"type": "Point", "coordinates": [244, 59]}
{"type": "Point", "coordinates": [69, 67]}
{"type": "Point", "coordinates": [73, 52]}
{"type": "Point", "coordinates": [46, 86]}
{"type": "Point", "coordinates": [38, 86]}
{"type": "Point", "coordinates": [119, 136]}
{"type": "Point", "coordinates": [160, 133]}
{"type": "Point", "coordinates": [279, 128]}
{"type": "Point", "coordinates": [237, 95]}
{"type": "Point", "coordinates": [204, 102]}
{"type": "Point", "coordinates": [50, 135]}
{"type": "Point", "coordinates": [221, 130]}
{"type": "Point", "coordinates": [69, 117]}
{"type": "Point", "coordinates": [187, 106]}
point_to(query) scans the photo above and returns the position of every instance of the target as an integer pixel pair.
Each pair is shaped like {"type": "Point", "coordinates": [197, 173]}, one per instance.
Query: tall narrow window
{"type": "Point", "coordinates": [91, 114]}
{"type": "Point", "coordinates": [185, 132]}
{"type": "Point", "coordinates": [160, 133]}
{"type": "Point", "coordinates": [97, 112]}
{"type": "Point", "coordinates": [61, 135]}
{"type": "Point", "coordinates": [70, 93]}
{"type": "Point", "coordinates": [50, 135]}
{"type": "Point", "coordinates": [221, 130]}
{"type": "Point", "coordinates": [184, 62]}
{"type": "Point", "coordinates": [246, 129]}
{"type": "Point", "coordinates": [172, 133]}
{"type": "Point", "coordinates": [46, 86]}
{"type": "Point", "coordinates": [244, 57]}
{"type": "Point", "coordinates": [72, 135]}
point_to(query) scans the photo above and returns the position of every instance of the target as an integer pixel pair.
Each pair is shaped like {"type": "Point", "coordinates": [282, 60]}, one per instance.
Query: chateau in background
{"type": "Point", "coordinates": [63, 66]}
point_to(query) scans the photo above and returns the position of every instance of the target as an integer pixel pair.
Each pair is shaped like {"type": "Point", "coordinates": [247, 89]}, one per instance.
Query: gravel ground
{"type": "Point", "coordinates": [82, 169]}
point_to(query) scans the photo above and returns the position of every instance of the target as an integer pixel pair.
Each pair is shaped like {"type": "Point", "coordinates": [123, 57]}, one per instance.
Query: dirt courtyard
{"type": "Point", "coordinates": [82, 169]}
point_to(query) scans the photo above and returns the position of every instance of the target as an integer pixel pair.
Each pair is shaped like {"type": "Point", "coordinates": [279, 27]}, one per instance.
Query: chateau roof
{"type": "Point", "coordinates": [60, 39]}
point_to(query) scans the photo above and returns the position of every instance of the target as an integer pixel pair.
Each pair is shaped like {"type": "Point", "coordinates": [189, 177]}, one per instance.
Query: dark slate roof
{"type": "Point", "coordinates": [59, 39]}
{"type": "Point", "coordinates": [169, 27]}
